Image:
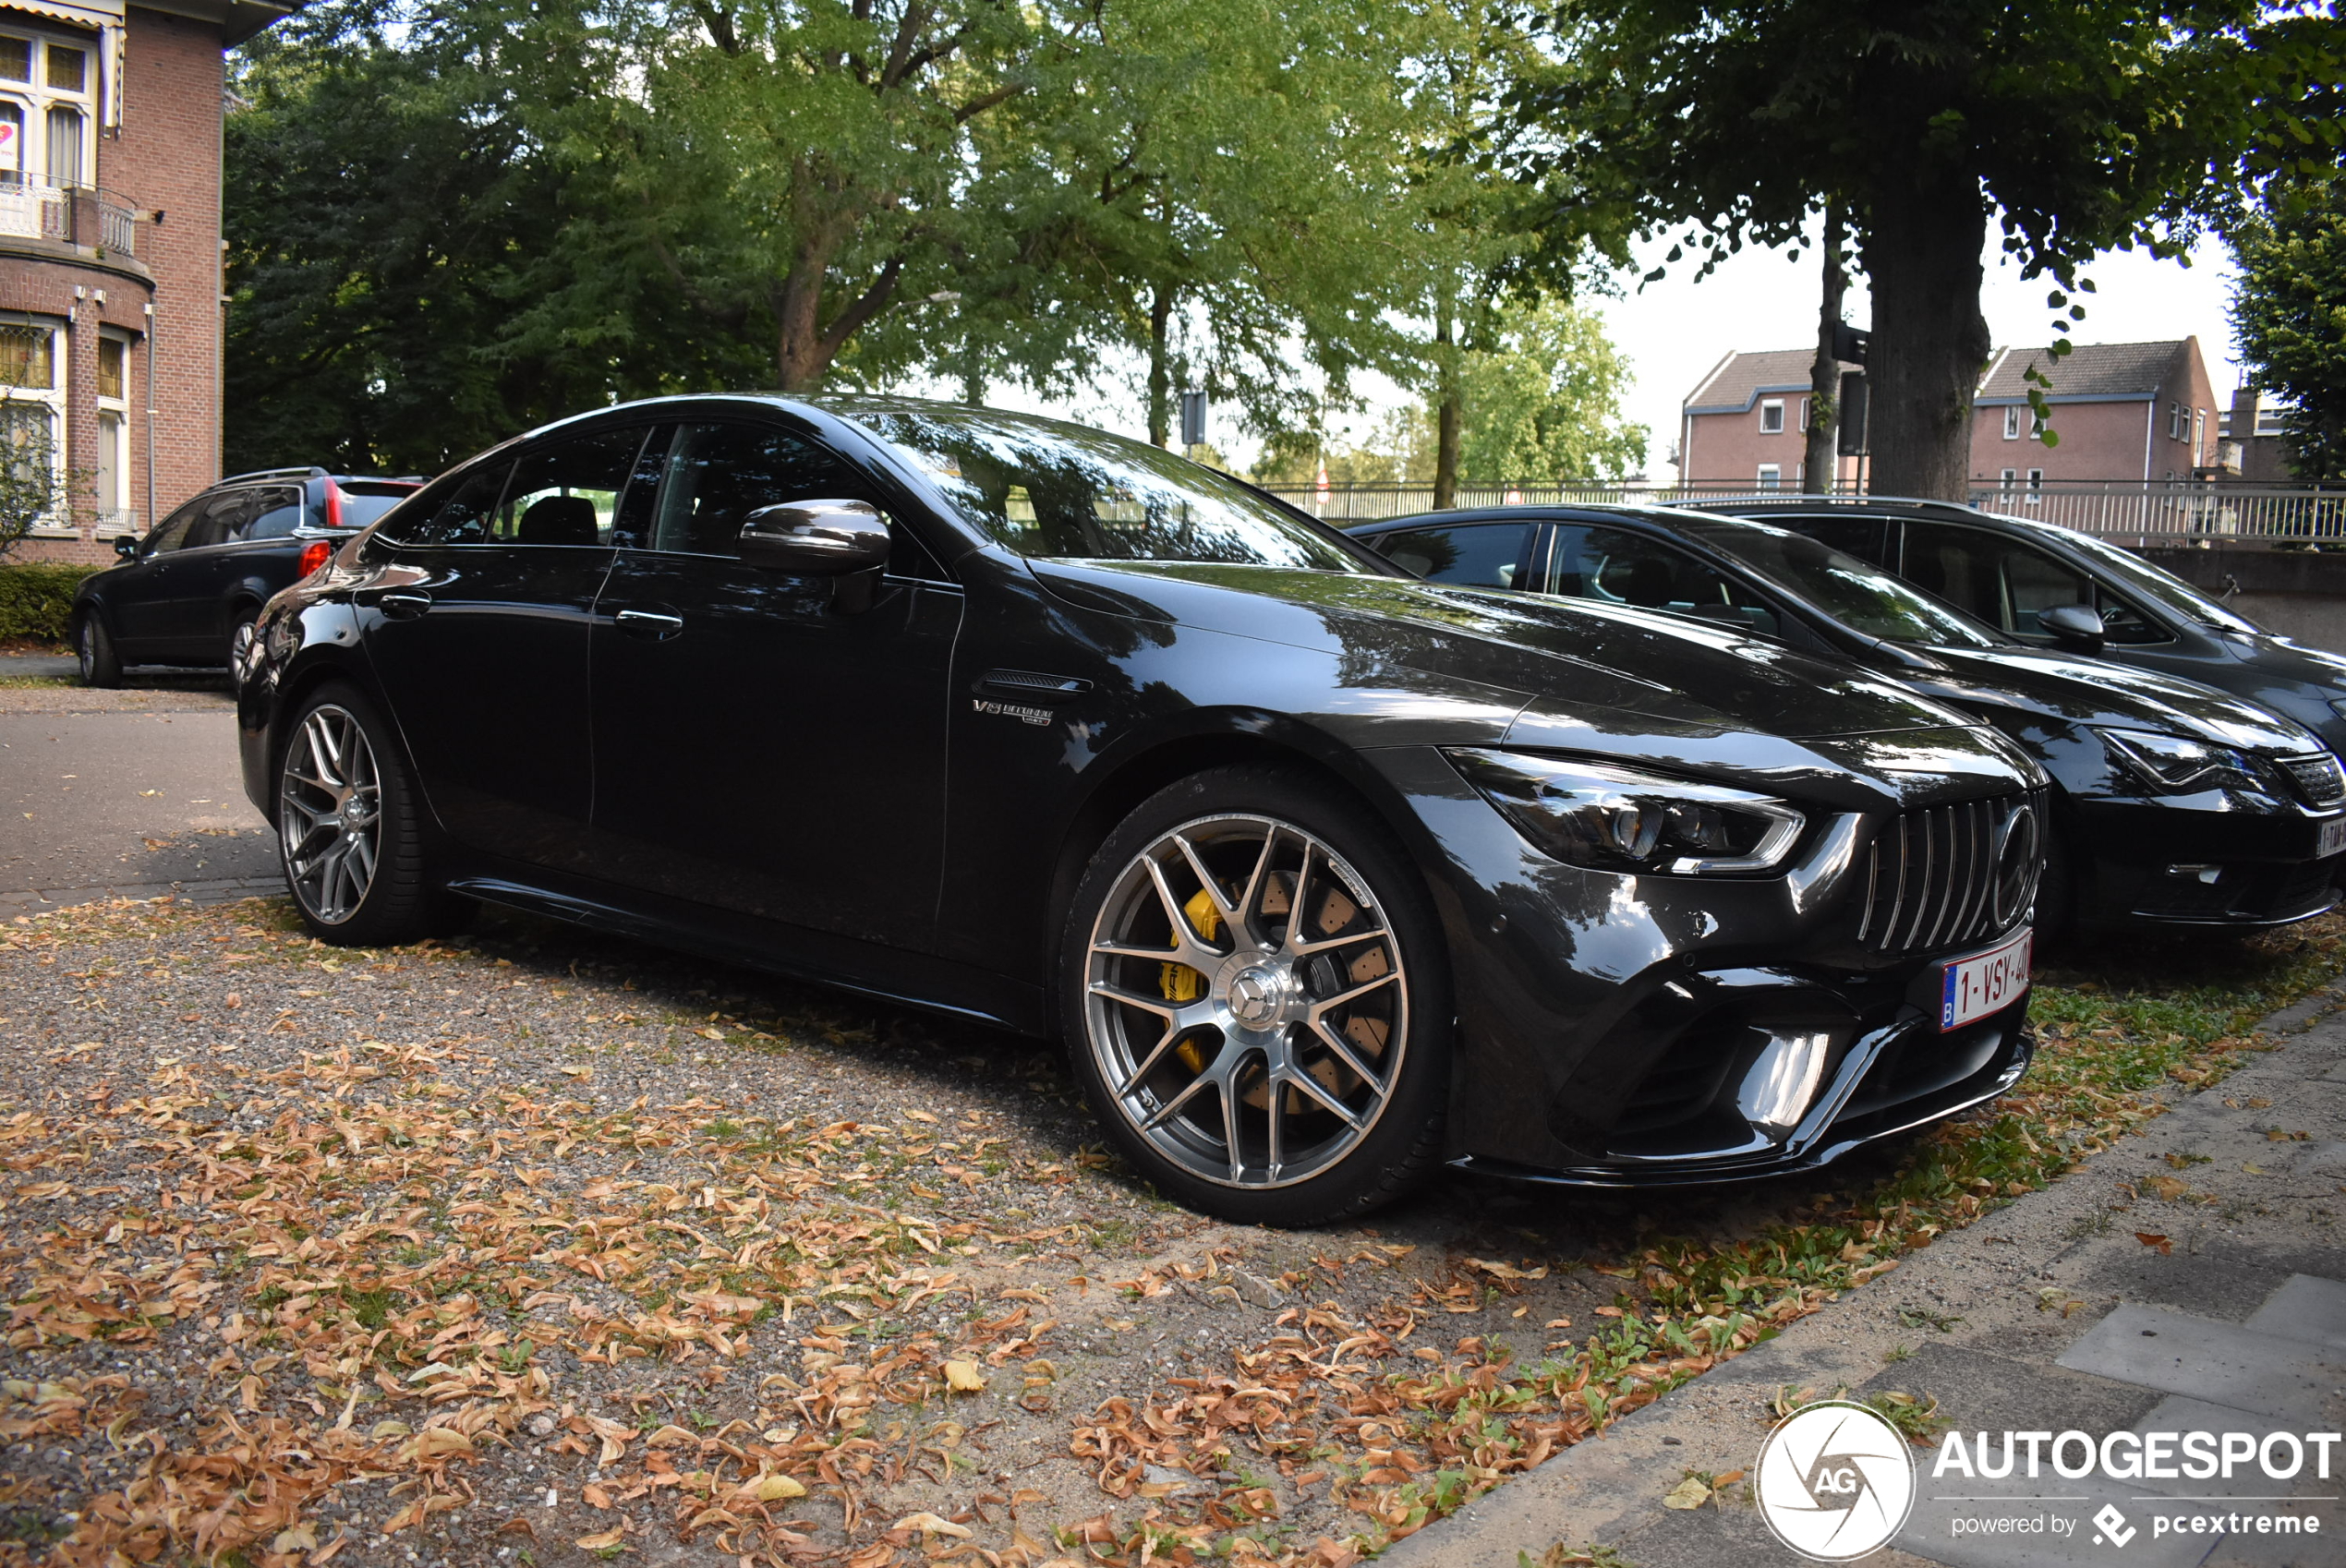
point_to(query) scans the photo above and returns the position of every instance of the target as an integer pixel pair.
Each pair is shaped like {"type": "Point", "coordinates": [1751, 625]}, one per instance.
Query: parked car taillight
{"type": "Point", "coordinates": [314, 554]}
{"type": "Point", "coordinates": [333, 514]}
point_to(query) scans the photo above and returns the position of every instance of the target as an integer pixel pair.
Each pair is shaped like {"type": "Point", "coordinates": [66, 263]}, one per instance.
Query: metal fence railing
{"type": "Point", "coordinates": [2126, 512]}
{"type": "Point", "coordinates": [38, 208]}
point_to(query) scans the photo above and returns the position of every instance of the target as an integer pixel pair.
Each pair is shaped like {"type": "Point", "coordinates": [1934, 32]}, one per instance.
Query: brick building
{"type": "Point", "coordinates": [109, 283]}
{"type": "Point", "coordinates": [2130, 410]}
{"type": "Point", "coordinates": [2252, 437]}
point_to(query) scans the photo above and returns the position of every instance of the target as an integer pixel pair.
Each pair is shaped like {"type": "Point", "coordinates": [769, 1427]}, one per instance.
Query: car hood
{"type": "Point", "coordinates": [2289, 661]}
{"type": "Point", "coordinates": [1564, 656]}
{"type": "Point", "coordinates": [2109, 696]}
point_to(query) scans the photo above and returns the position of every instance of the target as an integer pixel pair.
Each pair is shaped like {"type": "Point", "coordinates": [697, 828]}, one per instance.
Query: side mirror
{"type": "Point", "coordinates": [815, 538]}
{"type": "Point", "coordinates": [2074, 626]}
{"type": "Point", "coordinates": [126, 548]}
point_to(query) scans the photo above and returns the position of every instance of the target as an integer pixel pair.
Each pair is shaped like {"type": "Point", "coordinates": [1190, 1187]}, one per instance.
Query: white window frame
{"type": "Point", "coordinates": [2174, 421]}
{"type": "Point", "coordinates": [113, 511]}
{"type": "Point", "coordinates": [2199, 438]}
{"type": "Point", "coordinates": [1772, 405]}
{"type": "Point", "coordinates": [2011, 478]}
{"type": "Point", "coordinates": [59, 524]}
{"type": "Point", "coordinates": [36, 98]}
{"type": "Point", "coordinates": [1807, 423]}
{"type": "Point", "coordinates": [2036, 487]}
{"type": "Point", "coordinates": [1770, 475]}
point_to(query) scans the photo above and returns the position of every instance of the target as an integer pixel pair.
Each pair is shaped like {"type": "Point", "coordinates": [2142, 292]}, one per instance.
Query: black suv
{"type": "Point", "coordinates": [188, 593]}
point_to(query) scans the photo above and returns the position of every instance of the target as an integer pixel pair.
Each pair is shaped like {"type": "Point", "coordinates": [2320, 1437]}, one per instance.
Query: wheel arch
{"type": "Point", "coordinates": [1258, 739]}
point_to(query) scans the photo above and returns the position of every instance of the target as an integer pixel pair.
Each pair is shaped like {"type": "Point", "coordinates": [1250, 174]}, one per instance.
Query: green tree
{"type": "Point", "coordinates": [390, 222]}
{"type": "Point", "coordinates": [2288, 313]}
{"type": "Point", "coordinates": [1542, 401]}
{"type": "Point", "coordinates": [2076, 125]}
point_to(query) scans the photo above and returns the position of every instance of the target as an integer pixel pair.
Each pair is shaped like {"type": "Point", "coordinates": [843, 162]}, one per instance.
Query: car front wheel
{"type": "Point", "coordinates": [347, 829]}
{"type": "Point", "coordinates": [1257, 999]}
{"type": "Point", "coordinates": [101, 664]}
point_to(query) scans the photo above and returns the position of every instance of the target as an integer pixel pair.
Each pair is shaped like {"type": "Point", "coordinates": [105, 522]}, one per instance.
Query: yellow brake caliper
{"type": "Point", "coordinates": [1180, 983]}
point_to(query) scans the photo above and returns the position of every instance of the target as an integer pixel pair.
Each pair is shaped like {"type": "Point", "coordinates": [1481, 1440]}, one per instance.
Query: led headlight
{"type": "Point", "coordinates": [2170, 764]}
{"type": "Point", "coordinates": [1615, 819]}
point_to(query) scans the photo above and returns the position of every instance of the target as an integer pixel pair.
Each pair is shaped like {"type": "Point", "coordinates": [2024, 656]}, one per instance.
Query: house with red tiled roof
{"type": "Point", "coordinates": [2124, 411]}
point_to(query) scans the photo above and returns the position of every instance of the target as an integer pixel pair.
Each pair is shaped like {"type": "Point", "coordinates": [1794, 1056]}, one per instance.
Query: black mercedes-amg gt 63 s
{"type": "Point", "coordinates": [1327, 876]}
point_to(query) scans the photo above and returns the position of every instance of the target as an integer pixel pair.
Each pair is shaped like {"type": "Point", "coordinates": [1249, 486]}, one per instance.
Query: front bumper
{"type": "Point", "coordinates": [2147, 864]}
{"type": "Point", "coordinates": [1903, 1075]}
{"type": "Point", "coordinates": [1618, 1030]}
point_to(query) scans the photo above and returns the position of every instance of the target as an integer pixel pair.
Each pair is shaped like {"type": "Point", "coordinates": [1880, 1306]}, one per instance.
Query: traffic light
{"type": "Point", "coordinates": [1849, 343]}
{"type": "Point", "coordinates": [1852, 442]}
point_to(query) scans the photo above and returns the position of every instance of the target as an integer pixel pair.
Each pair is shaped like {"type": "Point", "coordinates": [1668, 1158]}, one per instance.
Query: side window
{"type": "Point", "coordinates": [1959, 565]}
{"type": "Point", "coordinates": [2121, 622]}
{"type": "Point", "coordinates": [223, 520]}
{"type": "Point", "coordinates": [278, 514]}
{"type": "Point", "coordinates": [173, 532]}
{"type": "Point", "coordinates": [457, 509]}
{"type": "Point", "coordinates": [569, 493]}
{"type": "Point", "coordinates": [1860, 536]}
{"type": "Point", "coordinates": [717, 474]}
{"type": "Point", "coordinates": [2004, 584]}
{"type": "Point", "coordinates": [1615, 566]}
{"type": "Point", "coordinates": [1484, 555]}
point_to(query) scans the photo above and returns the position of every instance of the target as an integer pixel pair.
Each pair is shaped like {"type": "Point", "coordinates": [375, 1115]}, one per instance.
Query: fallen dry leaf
{"type": "Point", "coordinates": [2153, 1239]}
{"type": "Point", "coordinates": [1689, 1493]}
{"type": "Point", "coordinates": [964, 1377]}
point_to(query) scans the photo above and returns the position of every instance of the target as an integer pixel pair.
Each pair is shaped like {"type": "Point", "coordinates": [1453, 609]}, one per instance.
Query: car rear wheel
{"type": "Point", "coordinates": [348, 833]}
{"type": "Point", "coordinates": [1257, 1000]}
{"type": "Point", "coordinates": [101, 664]}
{"type": "Point", "coordinates": [240, 638]}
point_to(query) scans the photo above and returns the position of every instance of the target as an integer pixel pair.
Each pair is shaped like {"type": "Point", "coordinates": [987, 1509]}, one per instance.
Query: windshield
{"type": "Point", "coordinates": [2132, 572]}
{"type": "Point", "coordinates": [1863, 597]}
{"type": "Point", "coordinates": [1048, 489]}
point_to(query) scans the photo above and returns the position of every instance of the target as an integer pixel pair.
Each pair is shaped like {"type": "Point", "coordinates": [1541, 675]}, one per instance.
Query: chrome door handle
{"type": "Point", "coordinates": [649, 624]}
{"type": "Point", "coordinates": [403, 604]}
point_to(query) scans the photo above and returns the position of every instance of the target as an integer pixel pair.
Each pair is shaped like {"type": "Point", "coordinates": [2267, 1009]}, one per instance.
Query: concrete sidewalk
{"type": "Point", "coordinates": [2187, 1279]}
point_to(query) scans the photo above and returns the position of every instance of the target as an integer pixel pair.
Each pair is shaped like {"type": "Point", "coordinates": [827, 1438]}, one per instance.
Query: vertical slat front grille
{"type": "Point", "coordinates": [1932, 876]}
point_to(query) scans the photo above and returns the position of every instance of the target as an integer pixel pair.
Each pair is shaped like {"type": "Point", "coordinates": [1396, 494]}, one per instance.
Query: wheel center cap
{"type": "Point", "coordinates": [1255, 995]}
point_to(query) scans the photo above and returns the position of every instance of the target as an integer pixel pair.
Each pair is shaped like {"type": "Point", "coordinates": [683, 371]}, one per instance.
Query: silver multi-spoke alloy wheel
{"type": "Point", "coordinates": [1246, 1001]}
{"type": "Point", "coordinates": [330, 814]}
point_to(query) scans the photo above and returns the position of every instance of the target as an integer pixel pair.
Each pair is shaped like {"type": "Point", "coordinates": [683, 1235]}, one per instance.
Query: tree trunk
{"type": "Point", "coordinates": [1446, 413]}
{"type": "Point", "coordinates": [1930, 342]}
{"type": "Point", "coordinates": [1820, 464]}
{"type": "Point", "coordinates": [1160, 366]}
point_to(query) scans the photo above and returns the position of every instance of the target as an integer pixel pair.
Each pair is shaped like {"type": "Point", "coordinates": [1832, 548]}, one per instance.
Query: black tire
{"type": "Point", "coordinates": [399, 903]}
{"type": "Point", "coordinates": [1393, 1121]}
{"type": "Point", "coordinates": [100, 662]}
{"type": "Point", "coordinates": [240, 634]}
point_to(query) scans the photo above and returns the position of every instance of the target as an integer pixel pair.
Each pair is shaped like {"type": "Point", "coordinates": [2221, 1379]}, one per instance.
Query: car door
{"type": "Point", "coordinates": [186, 612]}
{"type": "Point", "coordinates": [1852, 533]}
{"type": "Point", "coordinates": [227, 571]}
{"type": "Point", "coordinates": [478, 630]}
{"type": "Point", "coordinates": [136, 595]}
{"type": "Point", "coordinates": [759, 746]}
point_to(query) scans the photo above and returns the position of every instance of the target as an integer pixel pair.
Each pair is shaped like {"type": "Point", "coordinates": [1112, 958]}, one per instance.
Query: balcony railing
{"type": "Point", "coordinates": [2127, 512]}
{"type": "Point", "coordinates": [36, 209]}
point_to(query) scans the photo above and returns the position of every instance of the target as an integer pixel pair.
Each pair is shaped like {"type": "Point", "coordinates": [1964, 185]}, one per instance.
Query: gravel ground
{"type": "Point", "coordinates": [537, 1246]}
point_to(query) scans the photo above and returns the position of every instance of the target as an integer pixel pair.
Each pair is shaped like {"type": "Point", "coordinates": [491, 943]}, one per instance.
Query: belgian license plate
{"type": "Point", "coordinates": [1974, 987]}
{"type": "Point", "coordinates": [2333, 839]}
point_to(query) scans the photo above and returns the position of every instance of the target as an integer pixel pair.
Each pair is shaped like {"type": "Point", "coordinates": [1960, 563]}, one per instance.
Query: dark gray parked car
{"type": "Point", "coordinates": [188, 593]}
{"type": "Point", "coordinates": [2013, 573]}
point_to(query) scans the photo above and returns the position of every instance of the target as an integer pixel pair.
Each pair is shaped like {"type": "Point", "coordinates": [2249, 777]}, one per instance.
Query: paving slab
{"type": "Point", "coordinates": [2222, 1363]}
{"type": "Point", "coordinates": [2305, 1307]}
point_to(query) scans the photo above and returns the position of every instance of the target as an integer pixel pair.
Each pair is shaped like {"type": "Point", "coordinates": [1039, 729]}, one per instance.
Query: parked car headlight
{"type": "Point", "coordinates": [1617, 819]}
{"type": "Point", "coordinates": [2171, 764]}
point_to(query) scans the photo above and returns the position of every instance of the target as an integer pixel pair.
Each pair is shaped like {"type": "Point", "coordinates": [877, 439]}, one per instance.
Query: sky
{"type": "Point", "coordinates": [1674, 330]}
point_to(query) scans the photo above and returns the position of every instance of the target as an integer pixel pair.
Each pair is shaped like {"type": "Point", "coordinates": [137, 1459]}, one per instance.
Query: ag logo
{"type": "Point", "coordinates": [1834, 1481]}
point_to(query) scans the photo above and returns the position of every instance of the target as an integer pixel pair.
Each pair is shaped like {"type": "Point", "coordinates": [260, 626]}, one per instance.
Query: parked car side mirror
{"type": "Point", "coordinates": [126, 548]}
{"type": "Point", "coordinates": [815, 538]}
{"type": "Point", "coordinates": [2074, 626]}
